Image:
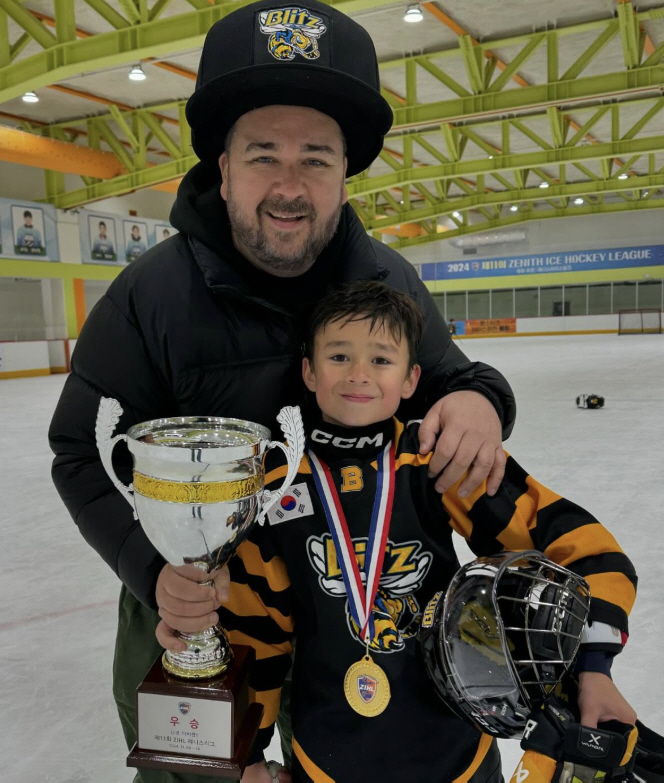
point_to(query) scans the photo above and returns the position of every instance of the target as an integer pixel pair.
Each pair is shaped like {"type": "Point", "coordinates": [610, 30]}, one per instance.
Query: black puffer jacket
{"type": "Point", "coordinates": [192, 329]}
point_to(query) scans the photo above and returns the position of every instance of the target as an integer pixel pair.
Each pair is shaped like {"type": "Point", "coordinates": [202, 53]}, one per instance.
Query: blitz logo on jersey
{"type": "Point", "coordinates": [294, 504]}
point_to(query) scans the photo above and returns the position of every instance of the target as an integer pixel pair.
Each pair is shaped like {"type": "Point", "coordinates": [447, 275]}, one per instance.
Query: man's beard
{"type": "Point", "coordinates": [276, 255]}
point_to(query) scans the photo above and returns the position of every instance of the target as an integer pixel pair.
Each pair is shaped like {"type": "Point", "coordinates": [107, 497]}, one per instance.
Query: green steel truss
{"type": "Point", "coordinates": [482, 148]}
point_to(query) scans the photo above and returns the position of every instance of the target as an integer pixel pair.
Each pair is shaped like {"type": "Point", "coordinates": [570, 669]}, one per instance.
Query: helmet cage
{"type": "Point", "coordinates": [503, 636]}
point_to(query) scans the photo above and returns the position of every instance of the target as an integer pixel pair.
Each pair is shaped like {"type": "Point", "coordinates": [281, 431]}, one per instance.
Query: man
{"type": "Point", "coordinates": [102, 247]}
{"type": "Point", "coordinates": [135, 246]}
{"type": "Point", "coordinates": [27, 235]}
{"type": "Point", "coordinates": [212, 319]}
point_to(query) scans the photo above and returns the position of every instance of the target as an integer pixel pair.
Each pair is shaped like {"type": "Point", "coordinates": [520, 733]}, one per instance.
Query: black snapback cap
{"type": "Point", "coordinates": [271, 54]}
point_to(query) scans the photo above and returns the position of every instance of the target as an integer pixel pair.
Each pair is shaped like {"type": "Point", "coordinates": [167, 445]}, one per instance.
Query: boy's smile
{"type": "Point", "coordinates": [359, 375]}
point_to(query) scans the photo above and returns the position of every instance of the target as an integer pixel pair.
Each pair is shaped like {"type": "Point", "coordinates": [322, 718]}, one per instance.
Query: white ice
{"type": "Point", "coordinates": [58, 616]}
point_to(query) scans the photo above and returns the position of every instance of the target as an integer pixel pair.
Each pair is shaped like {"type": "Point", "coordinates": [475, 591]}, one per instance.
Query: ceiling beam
{"type": "Point", "coordinates": [517, 196]}
{"type": "Point", "coordinates": [502, 163]}
{"type": "Point", "coordinates": [122, 46]}
{"type": "Point", "coordinates": [544, 214]}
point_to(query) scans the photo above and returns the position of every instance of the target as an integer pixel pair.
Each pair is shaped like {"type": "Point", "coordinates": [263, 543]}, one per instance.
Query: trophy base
{"type": "Point", "coordinates": [231, 769]}
{"type": "Point", "coordinates": [202, 727]}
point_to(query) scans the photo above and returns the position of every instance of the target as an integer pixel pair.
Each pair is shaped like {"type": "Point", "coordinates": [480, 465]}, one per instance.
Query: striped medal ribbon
{"type": "Point", "coordinates": [366, 685]}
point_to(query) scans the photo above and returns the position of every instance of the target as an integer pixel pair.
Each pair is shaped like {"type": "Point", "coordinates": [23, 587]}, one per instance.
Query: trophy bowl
{"type": "Point", "coordinates": [198, 489]}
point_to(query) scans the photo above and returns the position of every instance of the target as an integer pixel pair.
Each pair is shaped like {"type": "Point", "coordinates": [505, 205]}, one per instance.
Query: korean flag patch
{"type": "Point", "coordinates": [294, 504]}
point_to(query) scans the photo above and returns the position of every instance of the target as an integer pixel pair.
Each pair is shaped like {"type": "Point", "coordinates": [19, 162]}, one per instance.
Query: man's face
{"type": "Point", "coordinates": [27, 221]}
{"type": "Point", "coordinates": [359, 374]}
{"type": "Point", "coordinates": [283, 183]}
{"type": "Point", "coordinates": [102, 231]}
{"type": "Point", "coordinates": [135, 233]}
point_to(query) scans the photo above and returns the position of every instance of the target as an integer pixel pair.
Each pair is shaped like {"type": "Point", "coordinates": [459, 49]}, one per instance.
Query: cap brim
{"type": "Point", "coordinates": [362, 113]}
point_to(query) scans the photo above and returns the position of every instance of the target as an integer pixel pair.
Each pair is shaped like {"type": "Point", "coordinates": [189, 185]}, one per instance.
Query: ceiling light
{"type": "Point", "coordinates": [137, 74]}
{"type": "Point", "coordinates": [413, 14]}
{"type": "Point", "coordinates": [30, 97]}
{"type": "Point", "coordinates": [578, 200]}
{"type": "Point", "coordinates": [645, 192]}
{"type": "Point", "coordinates": [456, 215]}
{"type": "Point", "coordinates": [490, 157]}
{"type": "Point", "coordinates": [623, 176]}
{"type": "Point", "coordinates": [544, 184]}
{"type": "Point", "coordinates": [514, 208]}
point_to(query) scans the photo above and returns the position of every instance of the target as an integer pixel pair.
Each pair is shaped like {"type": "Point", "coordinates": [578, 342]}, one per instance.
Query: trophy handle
{"type": "Point", "coordinates": [293, 429]}
{"type": "Point", "coordinates": [108, 415]}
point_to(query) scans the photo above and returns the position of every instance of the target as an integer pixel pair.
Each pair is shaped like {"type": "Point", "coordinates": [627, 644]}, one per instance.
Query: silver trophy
{"type": "Point", "coordinates": [198, 489]}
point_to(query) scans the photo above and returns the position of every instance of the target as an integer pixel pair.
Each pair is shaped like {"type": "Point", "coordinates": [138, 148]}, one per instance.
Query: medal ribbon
{"type": "Point", "coordinates": [360, 599]}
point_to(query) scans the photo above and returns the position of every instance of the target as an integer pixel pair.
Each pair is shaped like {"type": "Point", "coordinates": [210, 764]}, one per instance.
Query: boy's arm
{"type": "Point", "coordinates": [526, 515]}
{"type": "Point", "coordinates": [258, 614]}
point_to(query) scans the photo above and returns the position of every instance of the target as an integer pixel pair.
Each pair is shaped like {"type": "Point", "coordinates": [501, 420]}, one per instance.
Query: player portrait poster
{"type": "Point", "coordinates": [163, 231]}
{"type": "Point", "coordinates": [103, 242]}
{"type": "Point", "coordinates": [28, 230]}
{"type": "Point", "coordinates": [136, 239]}
{"type": "Point", "coordinates": [28, 227]}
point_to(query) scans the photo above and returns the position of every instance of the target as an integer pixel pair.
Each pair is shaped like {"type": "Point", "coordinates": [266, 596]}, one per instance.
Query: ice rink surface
{"type": "Point", "coordinates": [58, 722]}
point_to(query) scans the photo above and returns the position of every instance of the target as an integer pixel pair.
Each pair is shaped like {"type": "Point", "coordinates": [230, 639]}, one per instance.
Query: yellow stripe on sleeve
{"type": "Point", "coordinates": [517, 535]}
{"type": "Point", "coordinates": [458, 508]}
{"type": "Point", "coordinates": [613, 587]}
{"type": "Point", "coordinates": [244, 602]}
{"type": "Point", "coordinates": [398, 431]}
{"type": "Point", "coordinates": [263, 649]}
{"type": "Point", "coordinates": [585, 541]}
{"type": "Point", "coordinates": [534, 767]}
{"type": "Point", "coordinates": [273, 570]}
{"type": "Point", "coordinates": [270, 701]}
{"type": "Point", "coordinates": [412, 459]}
{"type": "Point", "coordinates": [280, 473]}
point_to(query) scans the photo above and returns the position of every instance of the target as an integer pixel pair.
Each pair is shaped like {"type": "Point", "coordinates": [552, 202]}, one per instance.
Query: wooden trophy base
{"type": "Point", "coordinates": [204, 727]}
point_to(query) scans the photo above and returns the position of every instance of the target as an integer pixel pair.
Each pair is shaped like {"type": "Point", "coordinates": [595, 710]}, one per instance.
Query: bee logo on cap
{"type": "Point", "coordinates": [292, 31]}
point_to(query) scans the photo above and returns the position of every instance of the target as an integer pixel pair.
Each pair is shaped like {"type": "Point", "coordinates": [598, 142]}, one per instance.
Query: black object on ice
{"type": "Point", "coordinates": [589, 401]}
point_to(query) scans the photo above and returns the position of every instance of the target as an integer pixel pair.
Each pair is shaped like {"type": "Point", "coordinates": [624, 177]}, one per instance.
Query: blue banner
{"type": "Point", "coordinates": [570, 261]}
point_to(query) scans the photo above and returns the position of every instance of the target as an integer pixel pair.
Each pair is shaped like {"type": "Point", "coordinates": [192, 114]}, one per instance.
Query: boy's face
{"type": "Point", "coordinates": [359, 376]}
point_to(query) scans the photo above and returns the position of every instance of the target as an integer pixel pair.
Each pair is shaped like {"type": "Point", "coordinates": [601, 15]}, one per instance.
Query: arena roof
{"type": "Point", "coordinates": [505, 111]}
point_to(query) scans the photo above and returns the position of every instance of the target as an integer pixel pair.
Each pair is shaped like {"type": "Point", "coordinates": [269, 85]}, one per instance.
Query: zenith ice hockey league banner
{"type": "Point", "coordinates": [113, 239]}
{"type": "Point", "coordinates": [28, 230]}
{"type": "Point", "coordinates": [570, 261]}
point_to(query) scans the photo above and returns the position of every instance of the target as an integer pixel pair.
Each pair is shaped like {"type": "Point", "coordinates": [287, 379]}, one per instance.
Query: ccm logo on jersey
{"type": "Point", "coordinates": [318, 436]}
{"type": "Point", "coordinates": [294, 504]}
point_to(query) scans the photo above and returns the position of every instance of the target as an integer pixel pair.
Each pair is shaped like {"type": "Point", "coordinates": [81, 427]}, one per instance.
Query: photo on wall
{"type": "Point", "coordinates": [163, 231]}
{"type": "Point", "coordinates": [136, 239]}
{"type": "Point", "coordinates": [103, 246]}
{"type": "Point", "coordinates": [28, 225]}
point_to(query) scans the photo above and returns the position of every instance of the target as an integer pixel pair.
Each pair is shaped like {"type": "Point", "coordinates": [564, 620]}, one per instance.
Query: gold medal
{"type": "Point", "coordinates": [367, 688]}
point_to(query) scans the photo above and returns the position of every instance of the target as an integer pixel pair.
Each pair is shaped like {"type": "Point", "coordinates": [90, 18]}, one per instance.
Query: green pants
{"type": "Point", "coordinates": [136, 649]}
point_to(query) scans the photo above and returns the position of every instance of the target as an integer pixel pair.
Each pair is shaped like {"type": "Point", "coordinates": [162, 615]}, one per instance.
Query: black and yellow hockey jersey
{"type": "Point", "coordinates": [286, 582]}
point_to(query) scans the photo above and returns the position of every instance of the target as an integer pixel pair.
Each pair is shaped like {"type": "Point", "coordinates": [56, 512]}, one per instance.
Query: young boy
{"type": "Point", "coordinates": [362, 495]}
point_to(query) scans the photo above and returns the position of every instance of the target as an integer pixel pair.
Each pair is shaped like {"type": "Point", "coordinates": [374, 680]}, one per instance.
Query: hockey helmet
{"type": "Point", "coordinates": [589, 401]}
{"type": "Point", "coordinates": [502, 637]}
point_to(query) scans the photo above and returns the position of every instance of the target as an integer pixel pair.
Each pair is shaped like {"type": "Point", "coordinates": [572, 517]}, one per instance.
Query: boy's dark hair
{"type": "Point", "coordinates": [372, 301]}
